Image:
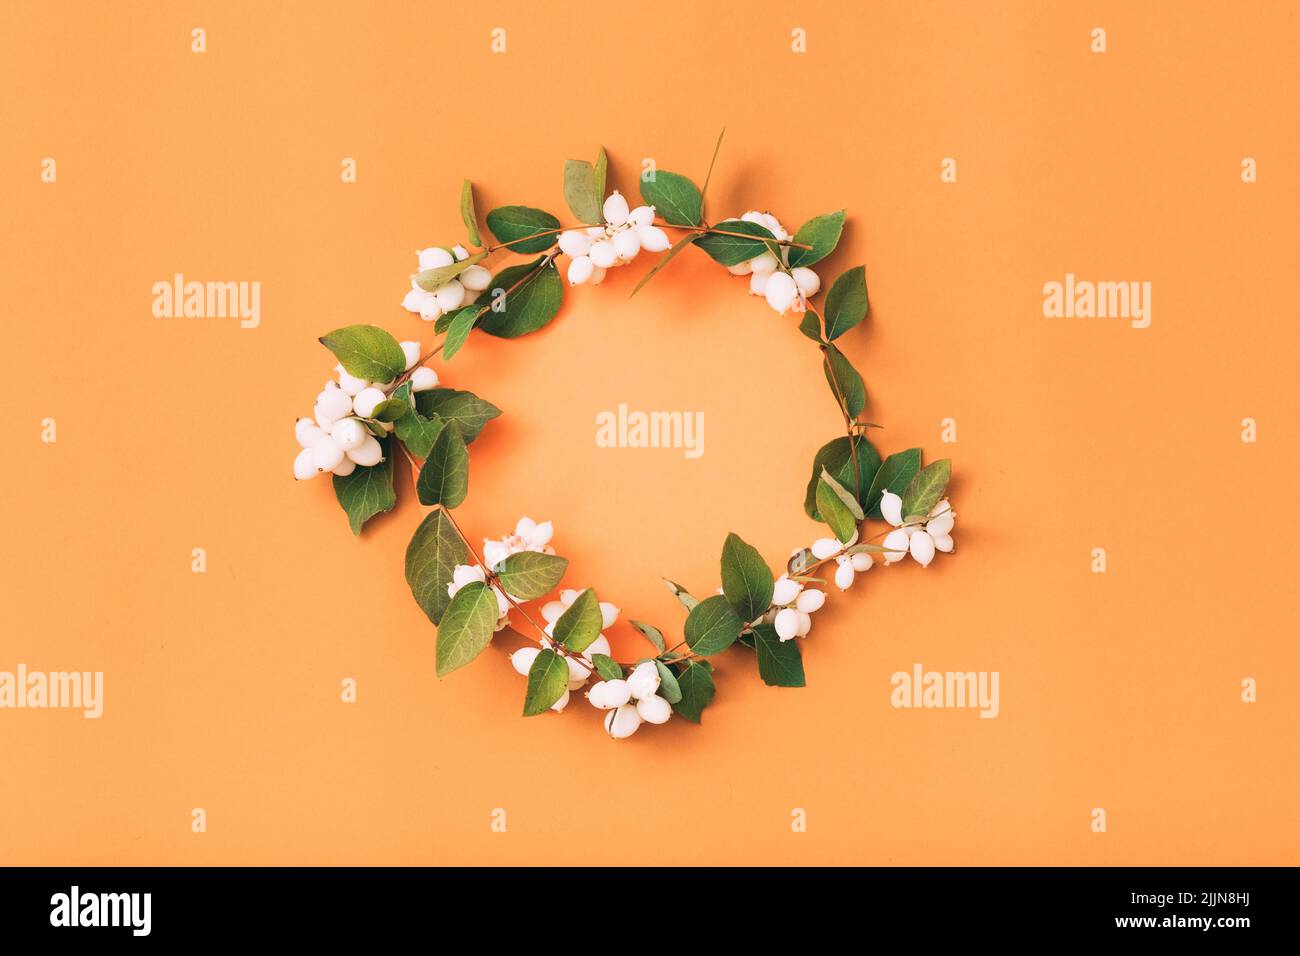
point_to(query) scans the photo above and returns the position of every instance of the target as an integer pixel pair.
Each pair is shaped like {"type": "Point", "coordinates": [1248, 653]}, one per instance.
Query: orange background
{"type": "Point", "coordinates": [1119, 690]}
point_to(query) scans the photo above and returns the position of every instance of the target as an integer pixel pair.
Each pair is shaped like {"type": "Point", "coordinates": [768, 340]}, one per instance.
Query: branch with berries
{"type": "Point", "coordinates": [387, 399]}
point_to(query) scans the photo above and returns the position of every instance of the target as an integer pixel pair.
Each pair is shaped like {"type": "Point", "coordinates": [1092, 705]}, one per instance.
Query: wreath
{"type": "Point", "coordinates": [387, 401]}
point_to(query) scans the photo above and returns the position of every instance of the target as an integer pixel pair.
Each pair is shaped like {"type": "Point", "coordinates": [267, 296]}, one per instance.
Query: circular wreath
{"type": "Point", "coordinates": [386, 398]}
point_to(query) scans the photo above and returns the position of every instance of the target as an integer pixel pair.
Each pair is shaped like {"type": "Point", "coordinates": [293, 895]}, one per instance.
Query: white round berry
{"type": "Point", "coordinates": [807, 280]}
{"type": "Point", "coordinates": [758, 283]}
{"type": "Point", "coordinates": [823, 548]}
{"type": "Point", "coordinates": [367, 400]}
{"type": "Point", "coordinates": [764, 264]}
{"type": "Point", "coordinates": [412, 301]}
{"type": "Point", "coordinates": [333, 404]}
{"type": "Point", "coordinates": [780, 291]}
{"type": "Point", "coordinates": [784, 591]}
{"type": "Point", "coordinates": [891, 507]}
{"type": "Point", "coordinates": [844, 575]}
{"type": "Point", "coordinates": [326, 454]}
{"type": "Point", "coordinates": [599, 646]}
{"type": "Point", "coordinates": [412, 352]}
{"type": "Point", "coordinates": [435, 258]}
{"type": "Point", "coordinates": [475, 278]}
{"type": "Point", "coordinates": [580, 270]}
{"type": "Point", "coordinates": [460, 252]}
{"type": "Point", "coordinates": [522, 659]}
{"type": "Point", "coordinates": [654, 710]}
{"type": "Point", "coordinates": [861, 562]}
{"type": "Point", "coordinates": [622, 722]}
{"type": "Point", "coordinates": [574, 243]}
{"type": "Point", "coordinates": [641, 216]}
{"type": "Point", "coordinates": [430, 310]}
{"type": "Point", "coordinates": [644, 680]}
{"type": "Point", "coordinates": [577, 670]}
{"type": "Point", "coordinates": [616, 211]}
{"type": "Point", "coordinates": [810, 601]}
{"type": "Point", "coordinates": [304, 466]}
{"type": "Point", "coordinates": [348, 433]}
{"type": "Point", "coordinates": [603, 254]}
{"type": "Point", "coordinates": [451, 296]}
{"type": "Point", "coordinates": [627, 245]}
{"type": "Point", "coordinates": [896, 544]}
{"type": "Point", "coordinates": [350, 384]}
{"type": "Point", "coordinates": [306, 431]}
{"type": "Point", "coordinates": [786, 623]}
{"type": "Point", "coordinates": [346, 467]}
{"type": "Point", "coordinates": [370, 452]}
{"type": "Point", "coordinates": [921, 546]}
{"type": "Point", "coordinates": [560, 704]}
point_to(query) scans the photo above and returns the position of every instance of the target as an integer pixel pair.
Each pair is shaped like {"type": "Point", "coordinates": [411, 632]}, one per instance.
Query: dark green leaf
{"type": "Point", "coordinates": [367, 491]}
{"type": "Point", "coordinates": [696, 685]}
{"type": "Point", "coordinates": [746, 579]}
{"type": "Point", "coordinates": [837, 457]}
{"type": "Point", "coordinates": [530, 574]}
{"type": "Point", "coordinates": [926, 488]}
{"type": "Point", "coordinates": [845, 382]}
{"type": "Point", "coordinates": [895, 475]}
{"type": "Point", "coordinates": [712, 626]}
{"type": "Point", "coordinates": [811, 326]}
{"type": "Point", "coordinates": [779, 662]}
{"type": "Point", "coordinates": [678, 246]}
{"type": "Point", "coordinates": [415, 431]}
{"type": "Point", "coordinates": [683, 595]}
{"type": "Point", "coordinates": [367, 351]}
{"type": "Point", "coordinates": [834, 511]}
{"type": "Point", "coordinates": [580, 192]}
{"type": "Point", "coordinates": [431, 557]}
{"type": "Point", "coordinates": [466, 628]}
{"type": "Point", "coordinates": [444, 478]}
{"type": "Point", "coordinates": [511, 223]}
{"type": "Point", "coordinates": [548, 679]}
{"type": "Point", "coordinates": [606, 667]}
{"type": "Point", "coordinates": [731, 250]}
{"type": "Point", "coordinates": [822, 234]}
{"type": "Point", "coordinates": [652, 634]}
{"type": "Point", "coordinates": [846, 496]}
{"type": "Point", "coordinates": [458, 329]}
{"type": "Point", "coordinates": [669, 689]}
{"type": "Point", "coordinates": [522, 298]}
{"type": "Point", "coordinates": [390, 410]}
{"type": "Point", "coordinates": [581, 622]}
{"type": "Point", "coordinates": [846, 303]}
{"type": "Point", "coordinates": [674, 197]}
{"type": "Point", "coordinates": [467, 213]}
{"type": "Point", "coordinates": [465, 410]}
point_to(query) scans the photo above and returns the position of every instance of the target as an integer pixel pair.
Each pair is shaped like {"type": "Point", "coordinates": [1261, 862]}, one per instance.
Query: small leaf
{"type": "Point", "coordinates": [779, 662]}
{"type": "Point", "coordinates": [431, 557]}
{"type": "Point", "coordinates": [652, 634]}
{"type": "Point", "coordinates": [598, 179]}
{"type": "Point", "coordinates": [415, 431]}
{"type": "Point", "coordinates": [390, 410]}
{"type": "Point", "coordinates": [431, 280]}
{"type": "Point", "coordinates": [514, 224]}
{"type": "Point", "coordinates": [465, 410]}
{"type": "Point", "coordinates": [522, 299]}
{"type": "Point", "coordinates": [467, 213]}
{"type": "Point", "coordinates": [695, 683]}
{"type": "Point", "coordinates": [607, 668]}
{"type": "Point", "coordinates": [674, 197]}
{"type": "Point", "coordinates": [895, 475]}
{"type": "Point", "coordinates": [367, 351]}
{"type": "Point", "coordinates": [530, 574]}
{"type": "Point", "coordinates": [822, 234]}
{"type": "Point", "coordinates": [836, 456]}
{"type": "Point", "coordinates": [581, 622]}
{"type": "Point", "coordinates": [678, 246]}
{"type": "Point", "coordinates": [746, 579]}
{"type": "Point", "coordinates": [712, 626]}
{"type": "Point", "coordinates": [811, 326]}
{"type": "Point", "coordinates": [845, 382]}
{"type": "Point", "coordinates": [466, 628]}
{"type": "Point", "coordinates": [444, 478]}
{"type": "Point", "coordinates": [683, 595]}
{"type": "Point", "coordinates": [927, 487]}
{"type": "Point", "coordinates": [367, 492]}
{"type": "Point", "coordinates": [730, 250]}
{"type": "Point", "coordinates": [846, 303]}
{"type": "Point", "coordinates": [843, 494]}
{"type": "Point", "coordinates": [835, 512]}
{"type": "Point", "coordinates": [458, 329]}
{"type": "Point", "coordinates": [669, 689]}
{"type": "Point", "coordinates": [580, 192]}
{"type": "Point", "coordinates": [548, 679]}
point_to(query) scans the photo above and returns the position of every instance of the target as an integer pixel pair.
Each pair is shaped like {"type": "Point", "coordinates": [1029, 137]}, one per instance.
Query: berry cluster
{"type": "Point", "coordinates": [625, 233]}
{"type": "Point", "coordinates": [453, 293]}
{"type": "Point", "coordinates": [786, 289]}
{"type": "Point", "coordinates": [528, 536]}
{"type": "Point", "coordinates": [580, 665]}
{"type": "Point", "coordinates": [631, 702]}
{"type": "Point", "coordinates": [919, 539]}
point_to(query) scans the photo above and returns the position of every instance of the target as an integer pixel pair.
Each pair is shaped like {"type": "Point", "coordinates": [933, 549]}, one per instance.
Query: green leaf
{"type": "Point", "coordinates": [466, 628]}
{"type": "Point", "coordinates": [683, 595]}
{"type": "Point", "coordinates": [467, 213]}
{"type": "Point", "coordinates": [580, 192]}
{"type": "Point", "coordinates": [465, 410]}
{"type": "Point", "coordinates": [581, 622]}
{"type": "Point", "coordinates": [431, 557]}
{"type": "Point", "coordinates": [530, 574]}
{"type": "Point", "coordinates": [846, 496]}
{"type": "Point", "coordinates": [390, 410]}
{"type": "Point", "coordinates": [674, 197]}
{"type": "Point", "coordinates": [514, 224]}
{"type": "Point", "coordinates": [894, 475]}
{"type": "Point", "coordinates": [431, 280]}
{"type": "Point", "coordinates": [926, 488]}
{"type": "Point", "coordinates": [669, 689]}
{"type": "Point", "coordinates": [746, 579]}
{"type": "Point", "coordinates": [834, 511]}
{"type": "Point", "coordinates": [458, 329]}
{"type": "Point", "coordinates": [601, 169]}
{"type": "Point", "coordinates": [712, 626]}
{"type": "Point", "coordinates": [652, 634]}
{"type": "Point", "coordinates": [836, 456]}
{"type": "Point", "coordinates": [845, 382]}
{"type": "Point", "coordinates": [811, 326]}
{"type": "Point", "coordinates": [678, 246]}
{"type": "Point", "coordinates": [606, 667]}
{"type": "Point", "coordinates": [846, 303]}
{"type": "Point", "coordinates": [779, 662]}
{"type": "Point", "coordinates": [444, 478]}
{"type": "Point", "coordinates": [367, 491]}
{"type": "Point", "coordinates": [733, 250]}
{"type": "Point", "coordinates": [548, 679]}
{"type": "Point", "coordinates": [522, 298]}
{"type": "Point", "coordinates": [367, 351]}
{"type": "Point", "coordinates": [822, 234]}
{"type": "Point", "coordinates": [415, 431]}
{"type": "Point", "coordinates": [696, 685]}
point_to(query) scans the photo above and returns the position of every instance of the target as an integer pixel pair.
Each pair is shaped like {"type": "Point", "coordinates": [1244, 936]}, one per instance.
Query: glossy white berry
{"type": "Point", "coordinates": [942, 523]}
{"type": "Point", "coordinates": [603, 254]}
{"type": "Point", "coordinates": [844, 575]}
{"type": "Point", "coordinates": [369, 453]}
{"type": "Point", "coordinates": [641, 216]}
{"type": "Point", "coordinates": [332, 404]}
{"type": "Point", "coordinates": [891, 507]}
{"type": "Point", "coordinates": [622, 722]}
{"type": "Point", "coordinates": [921, 547]}
{"type": "Point", "coordinates": [348, 433]}
{"type": "Point", "coordinates": [807, 280]}
{"type": "Point", "coordinates": [823, 548]}
{"type": "Point", "coordinates": [451, 296]}
{"type": "Point", "coordinates": [626, 245]}
{"type": "Point", "coordinates": [784, 591]}
{"type": "Point", "coordinates": [896, 545]}
{"type": "Point", "coordinates": [805, 624]}
{"type": "Point", "coordinates": [326, 454]}
{"type": "Point", "coordinates": [560, 704]}
{"type": "Point", "coordinates": [786, 623]}
{"type": "Point", "coordinates": [764, 264]}
{"type": "Point", "coordinates": [475, 278]}
{"type": "Point", "coordinates": [861, 562]}
{"type": "Point", "coordinates": [306, 431]}
{"type": "Point", "coordinates": [574, 243]}
{"type": "Point", "coordinates": [412, 301]}
{"type": "Point", "coordinates": [644, 680]}
{"type": "Point", "coordinates": [599, 646]}
{"type": "Point", "coordinates": [608, 694]}
{"type": "Point", "coordinates": [345, 467]}
{"type": "Point", "coordinates": [350, 384]}
{"type": "Point", "coordinates": [304, 465]}
{"type": "Point", "coordinates": [616, 211]}
{"type": "Point", "coordinates": [780, 291]}
{"type": "Point", "coordinates": [608, 614]}
{"type": "Point", "coordinates": [758, 283]}
{"type": "Point", "coordinates": [423, 379]}
{"type": "Point", "coordinates": [367, 400]}
{"type": "Point", "coordinates": [654, 710]}
{"type": "Point", "coordinates": [430, 310]}
{"type": "Point", "coordinates": [810, 601]}
{"type": "Point", "coordinates": [435, 258]}
{"type": "Point", "coordinates": [577, 670]}
{"type": "Point", "coordinates": [580, 270]}
{"type": "Point", "coordinates": [740, 269]}
{"type": "Point", "coordinates": [653, 239]}
{"type": "Point", "coordinates": [412, 352]}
